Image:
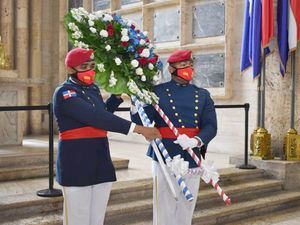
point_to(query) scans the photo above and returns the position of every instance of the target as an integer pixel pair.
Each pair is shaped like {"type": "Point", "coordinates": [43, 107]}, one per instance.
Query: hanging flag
{"type": "Point", "coordinates": [282, 35]}
{"type": "Point", "coordinates": [245, 54]}
{"type": "Point", "coordinates": [267, 22]}
{"type": "Point", "coordinates": [294, 23]}
{"type": "Point", "coordinates": [252, 37]}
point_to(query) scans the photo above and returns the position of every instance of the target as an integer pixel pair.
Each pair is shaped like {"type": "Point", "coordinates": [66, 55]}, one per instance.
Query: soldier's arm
{"type": "Point", "coordinates": [112, 103]}
{"type": "Point", "coordinates": [208, 121]}
{"type": "Point", "coordinates": [84, 112]}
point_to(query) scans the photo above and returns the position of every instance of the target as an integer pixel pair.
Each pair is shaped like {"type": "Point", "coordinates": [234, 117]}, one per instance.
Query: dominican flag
{"type": "Point", "coordinates": [288, 21]}
{"type": "Point", "coordinates": [69, 93]}
{"type": "Point", "coordinates": [258, 31]}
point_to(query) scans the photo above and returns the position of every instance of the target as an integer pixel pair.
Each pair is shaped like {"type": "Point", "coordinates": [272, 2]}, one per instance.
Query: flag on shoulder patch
{"type": "Point", "coordinates": [69, 93]}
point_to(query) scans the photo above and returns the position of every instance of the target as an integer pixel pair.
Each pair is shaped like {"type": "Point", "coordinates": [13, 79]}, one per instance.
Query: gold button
{"type": "Point", "coordinates": [196, 101]}
{"type": "Point", "coordinates": [179, 120]}
{"type": "Point", "coordinates": [169, 95]}
{"type": "Point", "coordinates": [88, 98]}
{"type": "Point", "coordinates": [182, 126]}
{"type": "Point", "coordinates": [83, 92]}
{"type": "Point", "coordinates": [176, 114]}
{"type": "Point", "coordinates": [171, 101]}
{"type": "Point", "coordinates": [93, 104]}
{"type": "Point", "coordinates": [195, 114]}
{"type": "Point", "coordinates": [173, 107]}
{"type": "Point", "coordinates": [196, 107]}
{"type": "Point", "coordinates": [167, 89]}
{"type": "Point", "coordinates": [196, 121]}
{"type": "Point", "coordinates": [196, 96]}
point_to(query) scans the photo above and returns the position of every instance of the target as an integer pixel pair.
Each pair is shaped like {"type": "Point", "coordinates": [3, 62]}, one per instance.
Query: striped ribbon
{"type": "Point", "coordinates": [215, 184]}
{"type": "Point", "coordinates": [180, 181]}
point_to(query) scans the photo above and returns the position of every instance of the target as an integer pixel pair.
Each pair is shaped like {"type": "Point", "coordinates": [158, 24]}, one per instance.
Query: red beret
{"type": "Point", "coordinates": [77, 56]}
{"type": "Point", "coordinates": [180, 55]}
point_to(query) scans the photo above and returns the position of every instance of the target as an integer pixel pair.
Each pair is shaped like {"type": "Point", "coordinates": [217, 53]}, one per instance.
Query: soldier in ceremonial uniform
{"type": "Point", "coordinates": [192, 111]}
{"type": "Point", "coordinates": [84, 166]}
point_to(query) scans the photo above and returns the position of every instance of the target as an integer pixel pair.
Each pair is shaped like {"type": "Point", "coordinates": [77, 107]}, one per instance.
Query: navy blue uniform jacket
{"type": "Point", "coordinates": [85, 161]}
{"type": "Point", "coordinates": [187, 106]}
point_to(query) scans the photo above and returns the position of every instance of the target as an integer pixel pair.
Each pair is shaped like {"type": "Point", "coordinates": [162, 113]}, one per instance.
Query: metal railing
{"type": "Point", "coordinates": [51, 192]}
{"type": "Point", "coordinates": [246, 107]}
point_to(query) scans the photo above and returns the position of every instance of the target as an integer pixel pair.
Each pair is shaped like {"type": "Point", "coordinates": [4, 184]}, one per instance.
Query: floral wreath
{"type": "Point", "coordinates": [124, 56]}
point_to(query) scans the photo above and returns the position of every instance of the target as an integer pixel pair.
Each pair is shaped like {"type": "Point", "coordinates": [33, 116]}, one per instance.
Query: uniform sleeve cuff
{"type": "Point", "coordinates": [132, 126]}
{"type": "Point", "coordinates": [200, 141]}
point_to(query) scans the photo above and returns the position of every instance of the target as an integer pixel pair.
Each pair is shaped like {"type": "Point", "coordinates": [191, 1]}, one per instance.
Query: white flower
{"type": "Point", "coordinates": [92, 56]}
{"type": "Point", "coordinates": [92, 17]}
{"type": "Point", "coordinates": [77, 35]}
{"type": "Point", "coordinates": [150, 66]}
{"type": "Point", "coordinates": [93, 30]}
{"type": "Point", "coordinates": [145, 53]}
{"type": "Point", "coordinates": [154, 97]}
{"type": "Point", "coordinates": [80, 44]}
{"type": "Point", "coordinates": [107, 17]}
{"type": "Point", "coordinates": [112, 79]}
{"type": "Point", "coordinates": [129, 22]}
{"type": "Point", "coordinates": [124, 38]}
{"type": "Point", "coordinates": [145, 33]}
{"type": "Point", "coordinates": [73, 27]}
{"type": "Point", "coordinates": [118, 61]}
{"type": "Point", "coordinates": [103, 33]}
{"type": "Point", "coordinates": [98, 14]}
{"type": "Point", "coordinates": [124, 32]}
{"type": "Point", "coordinates": [76, 15]}
{"type": "Point", "coordinates": [142, 42]}
{"type": "Point", "coordinates": [134, 63]}
{"type": "Point", "coordinates": [100, 67]}
{"type": "Point", "coordinates": [82, 11]}
{"type": "Point", "coordinates": [91, 23]}
{"type": "Point", "coordinates": [146, 96]}
{"type": "Point", "coordinates": [150, 46]}
{"type": "Point", "coordinates": [155, 78]}
{"type": "Point", "coordinates": [143, 78]}
{"type": "Point", "coordinates": [139, 71]}
{"type": "Point", "coordinates": [108, 48]}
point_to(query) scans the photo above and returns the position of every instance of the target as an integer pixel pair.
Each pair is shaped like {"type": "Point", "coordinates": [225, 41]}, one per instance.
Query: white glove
{"type": "Point", "coordinates": [186, 142]}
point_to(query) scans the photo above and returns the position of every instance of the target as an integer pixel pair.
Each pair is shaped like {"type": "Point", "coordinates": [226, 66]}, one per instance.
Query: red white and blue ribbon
{"type": "Point", "coordinates": [208, 174]}
{"type": "Point", "coordinates": [179, 179]}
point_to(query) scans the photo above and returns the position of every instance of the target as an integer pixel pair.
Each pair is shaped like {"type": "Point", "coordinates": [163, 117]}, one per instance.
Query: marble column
{"type": "Point", "coordinates": [87, 4]}
{"type": "Point", "coordinates": [7, 29]}
{"type": "Point", "coordinates": [22, 42]}
{"type": "Point", "coordinates": [35, 63]}
{"type": "Point", "coordinates": [63, 40]}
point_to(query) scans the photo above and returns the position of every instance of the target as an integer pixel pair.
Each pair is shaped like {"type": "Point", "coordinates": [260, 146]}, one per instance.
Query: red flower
{"type": "Point", "coordinates": [124, 43]}
{"type": "Point", "coordinates": [140, 50]}
{"type": "Point", "coordinates": [110, 29]}
{"type": "Point", "coordinates": [138, 31]}
{"type": "Point", "coordinates": [153, 60]}
{"type": "Point", "coordinates": [142, 61]}
{"type": "Point", "coordinates": [147, 40]}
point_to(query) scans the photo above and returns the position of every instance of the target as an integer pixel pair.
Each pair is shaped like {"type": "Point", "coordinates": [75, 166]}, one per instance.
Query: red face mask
{"type": "Point", "coordinates": [87, 77]}
{"type": "Point", "coordinates": [185, 73]}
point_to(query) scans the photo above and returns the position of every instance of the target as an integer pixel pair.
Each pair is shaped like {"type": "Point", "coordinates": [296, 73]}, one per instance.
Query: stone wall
{"type": "Point", "coordinates": [38, 52]}
{"type": "Point", "coordinates": [277, 118]}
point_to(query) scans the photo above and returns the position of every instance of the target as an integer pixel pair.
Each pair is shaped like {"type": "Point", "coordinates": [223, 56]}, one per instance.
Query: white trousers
{"type": "Point", "coordinates": [166, 210]}
{"type": "Point", "coordinates": [85, 205]}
